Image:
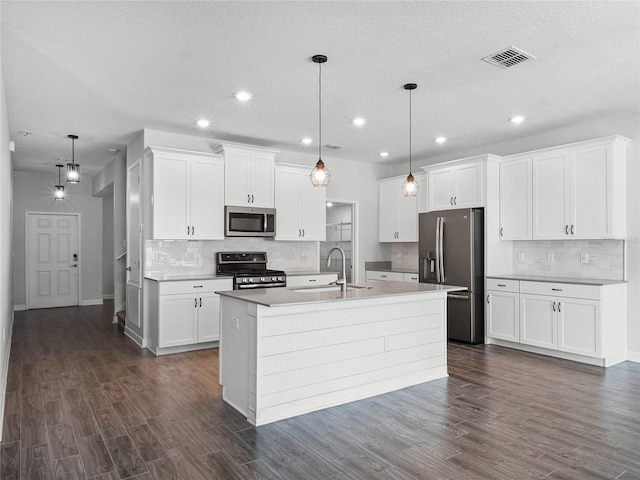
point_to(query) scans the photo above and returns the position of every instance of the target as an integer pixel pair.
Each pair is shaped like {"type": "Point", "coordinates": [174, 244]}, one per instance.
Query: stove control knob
{"type": "Point", "coordinates": [245, 280]}
{"type": "Point", "coordinates": [262, 279]}
{"type": "Point", "coordinates": [274, 279]}
{"type": "Point", "coordinates": [281, 279]}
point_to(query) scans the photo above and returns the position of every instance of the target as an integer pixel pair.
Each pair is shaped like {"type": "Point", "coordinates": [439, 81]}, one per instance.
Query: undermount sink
{"type": "Point", "coordinates": [326, 288]}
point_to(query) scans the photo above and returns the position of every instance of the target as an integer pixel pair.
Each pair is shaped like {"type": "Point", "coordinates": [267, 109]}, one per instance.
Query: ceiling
{"type": "Point", "coordinates": [104, 70]}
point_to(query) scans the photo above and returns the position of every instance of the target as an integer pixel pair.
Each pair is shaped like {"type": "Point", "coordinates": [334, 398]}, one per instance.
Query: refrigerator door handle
{"type": "Point", "coordinates": [442, 277]}
{"type": "Point", "coordinates": [437, 250]}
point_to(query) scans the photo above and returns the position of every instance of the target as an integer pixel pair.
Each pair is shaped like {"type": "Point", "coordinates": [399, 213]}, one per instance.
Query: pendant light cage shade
{"type": "Point", "coordinates": [73, 169]}
{"type": "Point", "coordinates": [320, 175]}
{"type": "Point", "coordinates": [410, 186]}
{"type": "Point", "coordinates": [58, 190]}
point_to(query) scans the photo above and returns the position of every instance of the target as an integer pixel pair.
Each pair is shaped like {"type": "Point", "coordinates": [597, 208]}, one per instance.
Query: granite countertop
{"type": "Point", "coordinates": [577, 281]}
{"type": "Point", "coordinates": [300, 274]}
{"type": "Point", "coordinates": [178, 278]}
{"type": "Point", "coordinates": [277, 297]}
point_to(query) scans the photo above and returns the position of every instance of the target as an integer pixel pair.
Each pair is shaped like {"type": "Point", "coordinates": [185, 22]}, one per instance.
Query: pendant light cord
{"type": "Point", "coordinates": [73, 151]}
{"type": "Point", "coordinates": [320, 110]}
{"type": "Point", "coordinates": [409, 131]}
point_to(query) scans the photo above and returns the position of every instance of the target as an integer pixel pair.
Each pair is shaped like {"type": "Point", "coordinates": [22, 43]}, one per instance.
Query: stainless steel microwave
{"type": "Point", "coordinates": [249, 222]}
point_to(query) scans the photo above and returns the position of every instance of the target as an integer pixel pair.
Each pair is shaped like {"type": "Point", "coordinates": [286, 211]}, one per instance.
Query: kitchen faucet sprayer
{"type": "Point", "coordinates": [343, 283]}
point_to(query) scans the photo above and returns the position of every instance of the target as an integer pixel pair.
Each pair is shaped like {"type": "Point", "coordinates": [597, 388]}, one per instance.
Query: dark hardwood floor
{"type": "Point", "coordinates": [83, 401]}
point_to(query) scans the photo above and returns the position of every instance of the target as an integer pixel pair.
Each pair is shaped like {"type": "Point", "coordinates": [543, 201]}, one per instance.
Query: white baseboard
{"type": "Point", "coordinates": [135, 337]}
{"type": "Point", "coordinates": [108, 296]}
{"type": "Point", "coordinates": [94, 301]}
{"type": "Point", "coordinates": [17, 308]}
{"type": "Point", "coordinates": [633, 356]}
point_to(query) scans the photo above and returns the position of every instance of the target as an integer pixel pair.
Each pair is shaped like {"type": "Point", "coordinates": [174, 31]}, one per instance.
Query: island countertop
{"type": "Point", "coordinates": [276, 297]}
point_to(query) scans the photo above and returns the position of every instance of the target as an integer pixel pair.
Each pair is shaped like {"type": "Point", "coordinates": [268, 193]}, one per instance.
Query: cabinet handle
{"type": "Point", "coordinates": [187, 229]}
{"type": "Point", "coordinates": [195, 305]}
{"type": "Point", "coordinates": [572, 230]}
{"type": "Point", "coordinates": [451, 201]}
{"type": "Point", "coordinates": [502, 285]}
{"type": "Point", "coordinates": [299, 233]}
{"type": "Point", "coordinates": [556, 289]}
{"type": "Point", "coordinates": [198, 286]}
{"type": "Point", "coordinates": [566, 229]}
{"type": "Point", "coordinates": [559, 305]}
{"type": "Point", "coordinates": [455, 200]}
{"type": "Point", "coordinates": [251, 198]}
{"type": "Point", "coordinates": [312, 279]}
{"type": "Point", "coordinates": [248, 198]}
{"type": "Point", "coordinates": [488, 297]}
{"type": "Point", "coordinates": [554, 306]}
{"type": "Point", "coordinates": [501, 232]}
{"type": "Point", "coordinates": [201, 301]}
{"type": "Point", "coordinates": [383, 276]}
{"type": "Point", "coordinates": [192, 229]}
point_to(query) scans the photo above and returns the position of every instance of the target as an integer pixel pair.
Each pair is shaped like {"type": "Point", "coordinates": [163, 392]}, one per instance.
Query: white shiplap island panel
{"type": "Point", "coordinates": [281, 361]}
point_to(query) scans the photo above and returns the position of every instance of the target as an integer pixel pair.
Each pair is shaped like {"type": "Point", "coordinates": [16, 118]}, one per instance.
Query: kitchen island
{"type": "Point", "coordinates": [285, 351]}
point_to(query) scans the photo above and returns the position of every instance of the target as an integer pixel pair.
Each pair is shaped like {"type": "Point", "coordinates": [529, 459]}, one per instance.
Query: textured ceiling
{"type": "Point", "coordinates": [105, 70]}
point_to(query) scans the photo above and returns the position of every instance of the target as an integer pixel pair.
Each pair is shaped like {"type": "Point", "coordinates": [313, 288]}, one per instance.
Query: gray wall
{"type": "Point", "coordinates": [6, 221]}
{"type": "Point", "coordinates": [33, 192]}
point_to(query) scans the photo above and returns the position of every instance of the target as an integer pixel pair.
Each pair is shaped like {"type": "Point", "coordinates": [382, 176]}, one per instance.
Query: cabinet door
{"type": "Point", "coordinates": [550, 197]}
{"type": "Point", "coordinates": [313, 209]}
{"type": "Point", "coordinates": [467, 192]}
{"type": "Point", "coordinates": [236, 179]}
{"type": "Point", "coordinates": [177, 322]}
{"type": "Point", "coordinates": [515, 200]}
{"type": "Point", "coordinates": [407, 213]}
{"type": "Point", "coordinates": [538, 321]}
{"type": "Point", "coordinates": [503, 316]}
{"type": "Point", "coordinates": [208, 317]}
{"type": "Point", "coordinates": [387, 214]}
{"type": "Point", "coordinates": [440, 194]}
{"type": "Point", "coordinates": [287, 205]}
{"type": "Point", "coordinates": [206, 196]}
{"type": "Point", "coordinates": [580, 326]}
{"type": "Point", "coordinates": [261, 180]}
{"type": "Point", "coordinates": [170, 201]}
{"type": "Point", "coordinates": [591, 202]}
{"type": "Point", "coordinates": [410, 277]}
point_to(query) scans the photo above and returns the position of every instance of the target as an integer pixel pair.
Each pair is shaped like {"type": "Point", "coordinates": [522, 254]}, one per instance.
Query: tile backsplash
{"type": "Point", "coordinates": [605, 258]}
{"type": "Point", "coordinates": [404, 256]}
{"type": "Point", "coordinates": [187, 257]}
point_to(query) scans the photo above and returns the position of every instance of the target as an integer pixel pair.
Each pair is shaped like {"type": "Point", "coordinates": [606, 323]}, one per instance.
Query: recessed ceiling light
{"type": "Point", "coordinates": [384, 154]}
{"type": "Point", "coordinates": [114, 150]}
{"type": "Point", "coordinates": [307, 140]}
{"type": "Point", "coordinates": [517, 119]}
{"type": "Point", "coordinates": [203, 123]}
{"type": "Point", "coordinates": [441, 139]}
{"type": "Point", "coordinates": [243, 96]}
{"type": "Point", "coordinates": [329, 204]}
{"type": "Point", "coordinates": [359, 121]}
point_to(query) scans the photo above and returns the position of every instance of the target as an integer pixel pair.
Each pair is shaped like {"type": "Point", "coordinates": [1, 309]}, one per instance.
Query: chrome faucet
{"type": "Point", "coordinates": [343, 284]}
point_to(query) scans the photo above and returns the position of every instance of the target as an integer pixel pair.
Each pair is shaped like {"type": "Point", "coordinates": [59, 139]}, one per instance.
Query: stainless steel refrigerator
{"type": "Point", "coordinates": [451, 251]}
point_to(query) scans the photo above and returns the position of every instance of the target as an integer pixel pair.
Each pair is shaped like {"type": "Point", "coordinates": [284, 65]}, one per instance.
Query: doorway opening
{"type": "Point", "coordinates": [341, 232]}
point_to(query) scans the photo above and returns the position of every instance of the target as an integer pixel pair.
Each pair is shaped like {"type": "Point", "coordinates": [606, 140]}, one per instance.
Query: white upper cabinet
{"type": "Point", "coordinates": [186, 195]}
{"type": "Point", "coordinates": [579, 191]}
{"type": "Point", "coordinates": [249, 175]}
{"type": "Point", "coordinates": [515, 199]}
{"type": "Point", "coordinates": [300, 207]}
{"type": "Point", "coordinates": [397, 214]}
{"type": "Point", "coordinates": [457, 186]}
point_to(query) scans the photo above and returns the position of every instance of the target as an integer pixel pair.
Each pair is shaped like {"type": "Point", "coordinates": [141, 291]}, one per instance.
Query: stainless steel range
{"type": "Point", "coordinates": [249, 270]}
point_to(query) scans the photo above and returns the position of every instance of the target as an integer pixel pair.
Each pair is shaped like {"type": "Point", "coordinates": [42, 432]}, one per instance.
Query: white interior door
{"type": "Point", "coordinates": [52, 260]}
{"type": "Point", "coordinates": [134, 221]}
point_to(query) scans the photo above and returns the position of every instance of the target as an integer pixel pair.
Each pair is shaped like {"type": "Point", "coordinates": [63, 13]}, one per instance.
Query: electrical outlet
{"type": "Point", "coordinates": [551, 257]}
{"type": "Point", "coordinates": [584, 258]}
{"type": "Point", "coordinates": [520, 257]}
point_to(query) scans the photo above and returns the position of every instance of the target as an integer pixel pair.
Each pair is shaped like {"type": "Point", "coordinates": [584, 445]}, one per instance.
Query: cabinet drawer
{"type": "Point", "coordinates": [591, 292]}
{"type": "Point", "coordinates": [503, 285]}
{"type": "Point", "coordinates": [410, 277]}
{"type": "Point", "coordinates": [385, 276]}
{"type": "Point", "coordinates": [191, 286]}
{"type": "Point", "coordinates": [308, 280]}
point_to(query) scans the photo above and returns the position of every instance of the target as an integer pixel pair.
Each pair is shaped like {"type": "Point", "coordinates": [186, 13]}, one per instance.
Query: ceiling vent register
{"type": "Point", "coordinates": [508, 57]}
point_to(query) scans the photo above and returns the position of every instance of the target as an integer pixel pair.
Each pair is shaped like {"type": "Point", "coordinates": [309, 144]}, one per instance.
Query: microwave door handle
{"type": "Point", "coordinates": [264, 228]}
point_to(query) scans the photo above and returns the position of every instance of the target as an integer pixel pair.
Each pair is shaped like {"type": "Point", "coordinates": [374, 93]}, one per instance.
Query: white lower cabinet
{"type": "Point", "coordinates": [575, 321]}
{"type": "Point", "coordinates": [294, 281]}
{"type": "Point", "coordinates": [184, 313]}
{"type": "Point", "coordinates": [388, 276]}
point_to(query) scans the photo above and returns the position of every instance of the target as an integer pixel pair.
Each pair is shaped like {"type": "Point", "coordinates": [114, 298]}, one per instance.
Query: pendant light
{"type": "Point", "coordinates": [73, 169]}
{"type": "Point", "coordinates": [410, 186]}
{"type": "Point", "coordinates": [320, 175]}
{"type": "Point", "coordinates": [58, 190]}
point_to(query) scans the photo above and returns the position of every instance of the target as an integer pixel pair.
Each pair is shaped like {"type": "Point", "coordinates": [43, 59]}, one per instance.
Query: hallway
{"type": "Point", "coordinates": [83, 401]}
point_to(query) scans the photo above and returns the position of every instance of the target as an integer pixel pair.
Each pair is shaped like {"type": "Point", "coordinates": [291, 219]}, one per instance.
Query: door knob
{"type": "Point", "coordinates": [128, 269]}
{"type": "Point", "coordinates": [74, 265]}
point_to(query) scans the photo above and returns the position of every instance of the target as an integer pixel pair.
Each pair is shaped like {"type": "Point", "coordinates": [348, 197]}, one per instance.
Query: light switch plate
{"type": "Point", "coordinates": [551, 257]}
{"type": "Point", "coordinates": [584, 258]}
